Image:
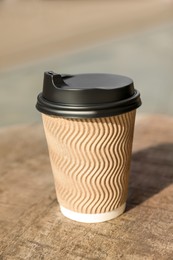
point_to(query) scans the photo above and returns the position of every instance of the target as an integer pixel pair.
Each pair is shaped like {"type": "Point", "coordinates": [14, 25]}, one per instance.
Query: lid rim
{"type": "Point", "coordinates": [109, 109]}
{"type": "Point", "coordinates": [87, 114]}
{"type": "Point", "coordinates": [88, 106]}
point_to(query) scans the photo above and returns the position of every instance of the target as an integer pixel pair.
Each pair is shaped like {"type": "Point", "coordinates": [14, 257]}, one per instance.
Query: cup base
{"type": "Point", "coordinates": [92, 218]}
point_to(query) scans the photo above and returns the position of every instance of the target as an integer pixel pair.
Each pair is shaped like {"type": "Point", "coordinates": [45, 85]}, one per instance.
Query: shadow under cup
{"type": "Point", "coordinates": [90, 156]}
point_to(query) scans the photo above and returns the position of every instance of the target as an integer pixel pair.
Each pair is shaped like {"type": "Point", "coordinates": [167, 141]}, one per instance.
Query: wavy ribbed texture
{"type": "Point", "coordinates": [90, 160]}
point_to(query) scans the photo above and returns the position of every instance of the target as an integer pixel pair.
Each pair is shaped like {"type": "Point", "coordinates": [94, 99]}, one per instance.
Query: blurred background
{"type": "Point", "coordinates": [132, 38]}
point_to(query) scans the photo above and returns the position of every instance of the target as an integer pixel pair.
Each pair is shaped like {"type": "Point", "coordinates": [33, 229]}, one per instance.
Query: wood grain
{"type": "Point", "coordinates": [32, 226]}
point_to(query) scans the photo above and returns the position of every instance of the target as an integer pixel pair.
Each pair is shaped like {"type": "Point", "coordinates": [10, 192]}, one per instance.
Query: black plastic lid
{"type": "Point", "coordinates": [87, 95]}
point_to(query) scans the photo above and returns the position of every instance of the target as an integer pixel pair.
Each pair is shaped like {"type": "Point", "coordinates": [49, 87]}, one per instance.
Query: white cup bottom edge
{"type": "Point", "coordinates": [92, 218]}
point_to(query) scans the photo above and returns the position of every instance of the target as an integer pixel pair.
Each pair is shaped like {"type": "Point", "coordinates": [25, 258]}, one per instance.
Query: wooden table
{"type": "Point", "coordinates": [32, 226]}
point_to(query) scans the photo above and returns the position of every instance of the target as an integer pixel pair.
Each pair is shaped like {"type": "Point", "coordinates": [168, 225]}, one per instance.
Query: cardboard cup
{"type": "Point", "coordinates": [90, 159]}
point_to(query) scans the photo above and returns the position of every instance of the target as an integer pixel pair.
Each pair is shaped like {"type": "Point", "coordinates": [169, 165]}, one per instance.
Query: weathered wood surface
{"type": "Point", "coordinates": [32, 226]}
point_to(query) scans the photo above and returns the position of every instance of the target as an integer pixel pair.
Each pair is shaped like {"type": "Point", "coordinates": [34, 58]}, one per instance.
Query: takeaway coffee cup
{"type": "Point", "coordinates": [89, 124]}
